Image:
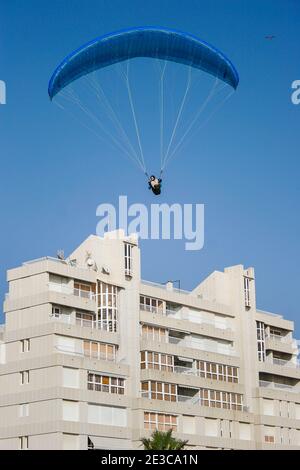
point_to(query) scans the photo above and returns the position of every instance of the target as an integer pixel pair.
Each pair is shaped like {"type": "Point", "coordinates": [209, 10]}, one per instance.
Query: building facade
{"type": "Point", "coordinates": [91, 356]}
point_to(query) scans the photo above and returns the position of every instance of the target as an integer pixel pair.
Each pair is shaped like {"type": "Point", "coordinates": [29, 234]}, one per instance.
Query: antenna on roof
{"type": "Point", "coordinates": [60, 254]}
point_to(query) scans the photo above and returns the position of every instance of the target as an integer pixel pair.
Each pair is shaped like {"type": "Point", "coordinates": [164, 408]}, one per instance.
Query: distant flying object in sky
{"type": "Point", "coordinates": [270, 37]}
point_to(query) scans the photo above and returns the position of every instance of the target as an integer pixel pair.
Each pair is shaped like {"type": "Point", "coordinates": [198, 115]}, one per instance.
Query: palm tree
{"type": "Point", "coordinates": [163, 441]}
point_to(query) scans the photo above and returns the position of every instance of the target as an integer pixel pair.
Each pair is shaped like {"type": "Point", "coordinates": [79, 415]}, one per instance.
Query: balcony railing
{"type": "Point", "coordinates": [281, 362]}
{"type": "Point", "coordinates": [106, 325]}
{"type": "Point", "coordinates": [178, 314]}
{"type": "Point", "coordinates": [282, 339]}
{"type": "Point", "coordinates": [186, 370]}
{"type": "Point", "coordinates": [69, 350]}
{"type": "Point", "coordinates": [91, 355]}
{"type": "Point", "coordinates": [196, 400]}
{"type": "Point", "coordinates": [273, 385]}
{"type": "Point", "coordinates": [190, 343]}
{"type": "Point", "coordinates": [65, 289]}
{"type": "Point", "coordinates": [84, 294]}
{"type": "Point", "coordinates": [151, 309]}
{"type": "Point", "coordinates": [191, 400]}
{"type": "Point", "coordinates": [86, 323]}
{"type": "Point", "coordinates": [164, 286]}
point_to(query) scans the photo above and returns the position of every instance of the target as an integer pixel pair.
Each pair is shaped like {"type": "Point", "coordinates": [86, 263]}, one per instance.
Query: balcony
{"type": "Point", "coordinates": [186, 399]}
{"type": "Point", "coordinates": [84, 294]}
{"type": "Point", "coordinates": [282, 339]}
{"type": "Point", "coordinates": [165, 287]}
{"type": "Point", "coordinates": [196, 400]}
{"type": "Point", "coordinates": [80, 353]}
{"type": "Point", "coordinates": [151, 309]}
{"type": "Point", "coordinates": [284, 363]}
{"type": "Point", "coordinates": [103, 325]}
{"type": "Point", "coordinates": [179, 315]}
{"type": "Point", "coordinates": [186, 370]}
{"type": "Point", "coordinates": [278, 386]}
{"type": "Point", "coordinates": [66, 289]}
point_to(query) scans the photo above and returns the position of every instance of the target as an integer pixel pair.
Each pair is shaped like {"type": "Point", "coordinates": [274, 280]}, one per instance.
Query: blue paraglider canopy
{"type": "Point", "coordinates": [105, 102]}
{"type": "Point", "coordinates": [153, 42]}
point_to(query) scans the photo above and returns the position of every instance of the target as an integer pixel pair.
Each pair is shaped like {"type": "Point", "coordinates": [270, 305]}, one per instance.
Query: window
{"type": "Point", "coordinates": [24, 410]}
{"type": "Point", "coordinates": [188, 424]}
{"type": "Point", "coordinates": [107, 415]}
{"type": "Point", "coordinates": [23, 442]}
{"type": "Point", "coordinates": [220, 399]}
{"type": "Point", "coordinates": [268, 407]}
{"type": "Point", "coordinates": [211, 427]}
{"type": "Point", "coordinates": [103, 351]}
{"type": "Point", "coordinates": [24, 377]}
{"type": "Point", "coordinates": [210, 370]}
{"type": "Point", "coordinates": [245, 431]}
{"type": "Point", "coordinates": [160, 421]}
{"type": "Point", "coordinates": [56, 312]}
{"type": "Point", "coordinates": [106, 383]}
{"type": "Point", "coordinates": [85, 319]}
{"type": "Point", "coordinates": [247, 291]}
{"type": "Point", "coordinates": [70, 377]}
{"type": "Point", "coordinates": [150, 304]}
{"type": "Point", "coordinates": [154, 333]}
{"type": "Point", "coordinates": [260, 334]}
{"type": "Point", "coordinates": [159, 391]}
{"type": "Point", "coordinates": [67, 345]}
{"type": "Point", "coordinates": [70, 410]}
{"type": "Point", "coordinates": [158, 361]}
{"type": "Point", "coordinates": [25, 345]}
{"type": "Point", "coordinates": [128, 259]}
{"type": "Point", "coordinates": [275, 334]}
{"type": "Point", "coordinates": [107, 304]}
{"type": "Point", "coordinates": [269, 434]}
{"type": "Point", "coordinates": [84, 290]}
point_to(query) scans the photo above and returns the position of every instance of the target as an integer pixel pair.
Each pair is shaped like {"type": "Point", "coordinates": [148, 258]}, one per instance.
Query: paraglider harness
{"type": "Point", "coordinates": [156, 188]}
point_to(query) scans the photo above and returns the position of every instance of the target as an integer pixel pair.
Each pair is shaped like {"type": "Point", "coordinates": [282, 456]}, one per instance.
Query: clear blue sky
{"type": "Point", "coordinates": [244, 167]}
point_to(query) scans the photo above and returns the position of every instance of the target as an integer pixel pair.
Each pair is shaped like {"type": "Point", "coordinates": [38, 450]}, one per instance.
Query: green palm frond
{"type": "Point", "coordinates": [160, 440]}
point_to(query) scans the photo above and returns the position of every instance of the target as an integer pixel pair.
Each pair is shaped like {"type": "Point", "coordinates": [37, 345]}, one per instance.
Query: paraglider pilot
{"type": "Point", "coordinates": [155, 184]}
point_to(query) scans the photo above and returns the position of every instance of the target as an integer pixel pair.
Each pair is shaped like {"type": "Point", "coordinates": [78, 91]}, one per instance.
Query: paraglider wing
{"type": "Point", "coordinates": [166, 44]}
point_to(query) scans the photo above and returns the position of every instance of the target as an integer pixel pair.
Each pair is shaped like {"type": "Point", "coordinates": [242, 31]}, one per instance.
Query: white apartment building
{"type": "Point", "coordinates": [92, 356]}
